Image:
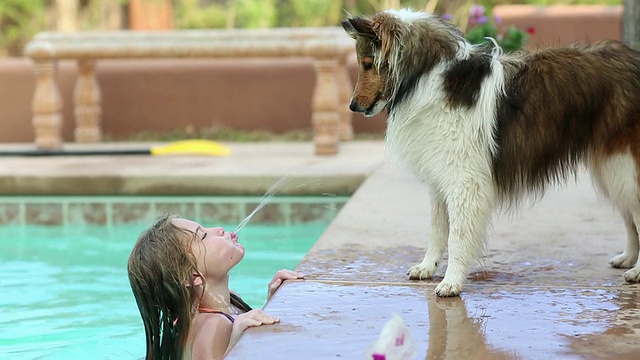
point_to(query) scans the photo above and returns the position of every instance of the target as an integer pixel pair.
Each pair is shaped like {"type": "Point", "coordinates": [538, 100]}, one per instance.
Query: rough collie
{"type": "Point", "coordinates": [481, 128]}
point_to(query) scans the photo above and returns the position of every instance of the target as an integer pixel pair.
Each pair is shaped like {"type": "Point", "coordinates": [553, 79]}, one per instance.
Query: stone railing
{"type": "Point", "coordinates": [329, 47]}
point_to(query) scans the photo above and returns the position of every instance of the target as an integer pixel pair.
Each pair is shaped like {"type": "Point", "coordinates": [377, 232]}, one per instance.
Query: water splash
{"type": "Point", "coordinates": [263, 201]}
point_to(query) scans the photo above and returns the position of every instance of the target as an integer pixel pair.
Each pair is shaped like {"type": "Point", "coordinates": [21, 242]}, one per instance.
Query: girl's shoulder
{"type": "Point", "coordinates": [212, 336]}
{"type": "Point", "coordinates": [216, 312]}
{"type": "Point", "coordinates": [216, 320]}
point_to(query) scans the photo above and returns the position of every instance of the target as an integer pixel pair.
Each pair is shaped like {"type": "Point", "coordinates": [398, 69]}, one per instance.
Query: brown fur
{"type": "Point", "coordinates": [567, 103]}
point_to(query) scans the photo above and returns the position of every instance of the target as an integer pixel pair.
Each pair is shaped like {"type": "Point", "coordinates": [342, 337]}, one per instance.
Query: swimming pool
{"type": "Point", "coordinates": [65, 292]}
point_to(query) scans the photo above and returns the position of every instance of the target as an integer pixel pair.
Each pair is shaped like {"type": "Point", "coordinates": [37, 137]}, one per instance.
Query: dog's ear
{"type": "Point", "coordinates": [359, 26]}
{"type": "Point", "coordinates": [388, 30]}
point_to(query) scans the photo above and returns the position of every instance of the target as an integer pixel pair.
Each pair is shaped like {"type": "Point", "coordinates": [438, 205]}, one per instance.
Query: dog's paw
{"type": "Point", "coordinates": [633, 275]}
{"type": "Point", "coordinates": [623, 261]}
{"type": "Point", "coordinates": [421, 272]}
{"type": "Point", "coordinates": [446, 289]}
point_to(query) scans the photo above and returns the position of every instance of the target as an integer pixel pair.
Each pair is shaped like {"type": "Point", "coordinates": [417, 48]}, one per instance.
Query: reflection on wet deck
{"type": "Point", "coordinates": [341, 319]}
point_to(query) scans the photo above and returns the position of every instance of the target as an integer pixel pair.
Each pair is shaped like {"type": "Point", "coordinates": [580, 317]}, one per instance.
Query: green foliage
{"type": "Point", "coordinates": [19, 21]}
{"type": "Point", "coordinates": [190, 15]}
{"type": "Point", "coordinates": [513, 39]}
{"type": "Point", "coordinates": [315, 12]}
{"type": "Point", "coordinates": [479, 34]}
{"type": "Point", "coordinates": [255, 13]}
{"type": "Point", "coordinates": [481, 27]}
{"type": "Point", "coordinates": [223, 133]}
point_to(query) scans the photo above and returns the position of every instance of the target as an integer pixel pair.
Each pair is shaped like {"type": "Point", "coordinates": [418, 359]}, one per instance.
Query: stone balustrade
{"type": "Point", "coordinates": [329, 47]}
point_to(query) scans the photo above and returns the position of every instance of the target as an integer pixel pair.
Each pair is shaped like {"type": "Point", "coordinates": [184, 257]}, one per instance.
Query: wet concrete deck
{"type": "Point", "coordinates": [544, 290]}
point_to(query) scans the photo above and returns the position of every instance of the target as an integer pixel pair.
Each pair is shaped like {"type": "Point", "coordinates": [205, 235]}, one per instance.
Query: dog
{"type": "Point", "coordinates": [482, 129]}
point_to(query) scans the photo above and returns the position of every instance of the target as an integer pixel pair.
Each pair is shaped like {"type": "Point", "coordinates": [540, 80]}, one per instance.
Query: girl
{"type": "Point", "coordinates": [179, 275]}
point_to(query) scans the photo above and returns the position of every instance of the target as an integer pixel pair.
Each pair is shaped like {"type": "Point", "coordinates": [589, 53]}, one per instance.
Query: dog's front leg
{"type": "Point", "coordinates": [437, 241]}
{"type": "Point", "coordinates": [469, 205]}
{"type": "Point", "coordinates": [629, 257]}
{"type": "Point", "coordinates": [631, 252]}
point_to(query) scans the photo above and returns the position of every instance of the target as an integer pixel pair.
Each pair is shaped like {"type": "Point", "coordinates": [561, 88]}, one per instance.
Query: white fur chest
{"type": "Point", "coordinates": [437, 142]}
{"type": "Point", "coordinates": [419, 134]}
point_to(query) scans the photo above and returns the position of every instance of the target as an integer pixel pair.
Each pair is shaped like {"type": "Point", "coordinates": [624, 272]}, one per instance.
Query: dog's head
{"type": "Point", "coordinates": [396, 47]}
{"type": "Point", "coordinates": [371, 92]}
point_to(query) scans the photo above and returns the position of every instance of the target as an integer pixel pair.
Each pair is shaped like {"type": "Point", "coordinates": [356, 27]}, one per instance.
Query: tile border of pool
{"type": "Point", "coordinates": [113, 210]}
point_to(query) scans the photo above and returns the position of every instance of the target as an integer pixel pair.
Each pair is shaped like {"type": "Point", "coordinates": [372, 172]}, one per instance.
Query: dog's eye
{"type": "Point", "coordinates": [367, 65]}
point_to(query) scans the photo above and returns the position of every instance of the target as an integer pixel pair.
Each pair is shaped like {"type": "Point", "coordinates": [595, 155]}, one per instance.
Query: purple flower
{"type": "Point", "coordinates": [476, 11]}
{"type": "Point", "coordinates": [478, 20]}
{"type": "Point", "coordinates": [447, 17]}
{"type": "Point", "coordinates": [477, 16]}
{"type": "Point", "coordinates": [498, 19]}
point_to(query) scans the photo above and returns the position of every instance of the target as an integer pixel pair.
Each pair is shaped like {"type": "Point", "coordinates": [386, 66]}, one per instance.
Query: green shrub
{"type": "Point", "coordinates": [19, 21]}
{"type": "Point", "coordinates": [481, 27]}
{"type": "Point", "coordinates": [190, 15]}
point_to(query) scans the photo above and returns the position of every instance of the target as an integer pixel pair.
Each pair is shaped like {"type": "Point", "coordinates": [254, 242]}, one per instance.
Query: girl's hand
{"type": "Point", "coordinates": [280, 277]}
{"type": "Point", "coordinates": [253, 318]}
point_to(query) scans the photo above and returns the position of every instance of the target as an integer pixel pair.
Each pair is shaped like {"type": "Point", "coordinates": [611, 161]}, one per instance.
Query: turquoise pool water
{"type": "Point", "coordinates": [64, 292]}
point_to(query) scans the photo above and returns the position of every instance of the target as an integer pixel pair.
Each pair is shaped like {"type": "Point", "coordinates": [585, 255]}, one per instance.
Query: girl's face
{"type": "Point", "coordinates": [216, 250]}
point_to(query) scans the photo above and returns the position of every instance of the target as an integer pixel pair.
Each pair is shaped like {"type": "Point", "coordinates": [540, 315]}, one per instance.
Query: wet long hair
{"type": "Point", "coordinates": [161, 267]}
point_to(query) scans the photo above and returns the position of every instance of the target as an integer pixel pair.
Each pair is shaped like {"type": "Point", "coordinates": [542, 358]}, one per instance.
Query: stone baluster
{"type": "Point", "coordinates": [47, 107]}
{"type": "Point", "coordinates": [345, 129]}
{"type": "Point", "coordinates": [87, 100]}
{"type": "Point", "coordinates": [325, 117]}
